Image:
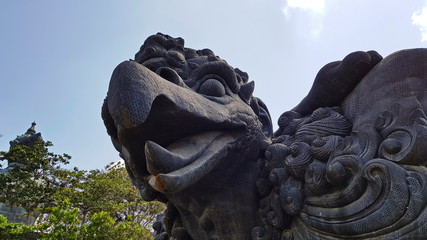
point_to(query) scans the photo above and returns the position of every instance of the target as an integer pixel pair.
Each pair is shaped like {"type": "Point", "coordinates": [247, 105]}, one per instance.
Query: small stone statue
{"type": "Point", "coordinates": [28, 138]}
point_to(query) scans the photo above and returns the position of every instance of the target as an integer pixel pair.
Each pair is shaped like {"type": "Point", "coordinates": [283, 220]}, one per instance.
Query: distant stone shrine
{"type": "Point", "coordinates": [17, 214]}
{"type": "Point", "coordinates": [349, 162]}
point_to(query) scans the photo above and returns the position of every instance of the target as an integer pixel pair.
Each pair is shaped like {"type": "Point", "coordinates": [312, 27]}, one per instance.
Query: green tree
{"type": "Point", "coordinates": [109, 190]}
{"type": "Point", "coordinates": [72, 204]}
{"type": "Point", "coordinates": [30, 181]}
{"type": "Point", "coordinates": [103, 226]}
{"type": "Point", "coordinates": [63, 224]}
{"type": "Point", "coordinates": [15, 231]}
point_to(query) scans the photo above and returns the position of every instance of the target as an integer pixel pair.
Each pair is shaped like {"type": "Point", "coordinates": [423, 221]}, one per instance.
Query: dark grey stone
{"type": "Point", "coordinates": [346, 163]}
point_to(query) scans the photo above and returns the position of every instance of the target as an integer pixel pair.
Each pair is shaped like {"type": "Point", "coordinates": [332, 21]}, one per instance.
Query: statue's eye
{"type": "Point", "coordinates": [212, 87]}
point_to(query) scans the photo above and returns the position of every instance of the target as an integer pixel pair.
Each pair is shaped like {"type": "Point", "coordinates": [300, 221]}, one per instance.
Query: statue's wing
{"type": "Point", "coordinates": [356, 170]}
{"type": "Point", "coordinates": [336, 80]}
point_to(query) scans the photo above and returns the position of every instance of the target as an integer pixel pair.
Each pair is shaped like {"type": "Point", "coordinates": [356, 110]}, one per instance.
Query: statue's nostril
{"type": "Point", "coordinates": [170, 75]}
{"type": "Point", "coordinates": [175, 58]}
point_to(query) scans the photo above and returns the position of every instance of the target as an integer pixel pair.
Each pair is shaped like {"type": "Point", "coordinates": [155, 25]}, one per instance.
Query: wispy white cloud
{"type": "Point", "coordinates": [314, 11]}
{"type": "Point", "coordinates": [419, 18]}
{"type": "Point", "coordinates": [312, 5]}
{"type": "Point", "coordinates": [315, 32]}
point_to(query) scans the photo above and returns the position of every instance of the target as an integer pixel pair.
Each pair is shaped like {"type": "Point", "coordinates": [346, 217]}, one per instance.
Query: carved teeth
{"type": "Point", "coordinates": [160, 160]}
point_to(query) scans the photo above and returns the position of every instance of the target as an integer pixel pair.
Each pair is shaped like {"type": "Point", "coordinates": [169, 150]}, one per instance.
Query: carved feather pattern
{"type": "Point", "coordinates": [370, 183]}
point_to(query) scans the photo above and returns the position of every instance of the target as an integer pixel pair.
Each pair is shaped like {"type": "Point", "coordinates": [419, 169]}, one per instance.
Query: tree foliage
{"type": "Point", "coordinates": [72, 204]}
{"type": "Point", "coordinates": [63, 224]}
{"type": "Point", "coordinates": [107, 190]}
{"type": "Point", "coordinates": [30, 181]}
{"type": "Point", "coordinates": [12, 231]}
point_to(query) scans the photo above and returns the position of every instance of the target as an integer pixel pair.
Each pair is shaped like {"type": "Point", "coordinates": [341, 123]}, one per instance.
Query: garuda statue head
{"type": "Point", "coordinates": [186, 124]}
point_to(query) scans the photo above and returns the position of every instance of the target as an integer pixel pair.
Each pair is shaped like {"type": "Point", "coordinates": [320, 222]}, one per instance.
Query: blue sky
{"type": "Point", "coordinates": [56, 57]}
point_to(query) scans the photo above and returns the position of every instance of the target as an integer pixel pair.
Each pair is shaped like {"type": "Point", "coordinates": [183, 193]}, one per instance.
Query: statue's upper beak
{"type": "Point", "coordinates": [168, 134]}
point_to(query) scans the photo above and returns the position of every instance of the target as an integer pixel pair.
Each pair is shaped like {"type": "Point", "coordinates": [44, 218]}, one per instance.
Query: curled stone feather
{"type": "Point", "coordinates": [340, 169]}
{"type": "Point", "coordinates": [276, 154]}
{"type": "Point", "coordinates": [298, 160]}
{"type": "Point", "coordinates": [321, 148]}
{"type": "Point", "coordinates": [291, 196]}
{"type": "Point", "coordinates": [278, 176]}
{"type": "Point", "coordinates": [293, 126]}
{"type": "Point", "coordinates": [315, 178]}
{"type": "Point", "coordinates": [284, 139]}
{"type": "Point", "coordinates": [287, 117]}
{"type": "Point", "coordinates": [276, 217]}
{"type": "Point", "coordinates": [333, 123]}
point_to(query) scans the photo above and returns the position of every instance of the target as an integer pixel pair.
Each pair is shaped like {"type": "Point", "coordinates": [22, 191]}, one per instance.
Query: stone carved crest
{"type": "Point", "coordinates": [347, 163]}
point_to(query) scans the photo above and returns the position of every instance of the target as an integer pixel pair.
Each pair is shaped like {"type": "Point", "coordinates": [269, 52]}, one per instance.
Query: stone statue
{"type": "Point", "coordinates": [346, 163]}
{"type": "Point", "coordinates": [28, 138]}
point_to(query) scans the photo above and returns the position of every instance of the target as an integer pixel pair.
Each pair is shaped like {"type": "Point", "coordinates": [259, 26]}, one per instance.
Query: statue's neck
{"type": "Point", "coordinates": [227, 213]}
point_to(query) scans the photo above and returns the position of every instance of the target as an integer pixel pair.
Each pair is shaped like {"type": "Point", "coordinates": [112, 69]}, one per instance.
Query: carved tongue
{"type": "Point", "coordinates": [185, 161]}
{"type": "Point", "coordinates": [189, 146]}
{"type": "Point", "coordinates": [178, 154]}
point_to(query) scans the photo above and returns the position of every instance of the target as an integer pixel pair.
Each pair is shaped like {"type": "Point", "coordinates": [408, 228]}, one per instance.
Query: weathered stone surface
{"type": "Point", "coordinates": [347, 163]}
